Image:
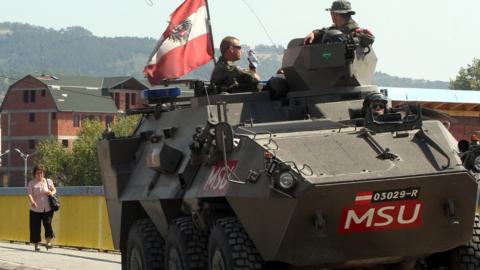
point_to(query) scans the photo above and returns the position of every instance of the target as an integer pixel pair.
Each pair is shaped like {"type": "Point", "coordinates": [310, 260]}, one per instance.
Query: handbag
{"type": "Point", "coordinates": [54, 202]}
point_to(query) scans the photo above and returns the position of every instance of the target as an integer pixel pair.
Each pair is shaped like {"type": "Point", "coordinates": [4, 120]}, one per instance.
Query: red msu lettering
{"type": "Point", "coordinates": [381, 216]}
{"type": "Point", "coordinates": [217, 179]}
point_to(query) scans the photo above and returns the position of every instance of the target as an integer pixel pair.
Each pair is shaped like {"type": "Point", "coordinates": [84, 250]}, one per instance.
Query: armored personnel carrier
{"type": "Point", "coordinates": [299, 176]}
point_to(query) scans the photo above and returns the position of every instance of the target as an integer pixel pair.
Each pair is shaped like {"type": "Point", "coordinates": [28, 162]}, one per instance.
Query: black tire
{"type": "Point", "coordinates": [467, 257]}
{"type": "Point", "coordinates": [145, 247]}
{"type": "Point", "coordinates": [185, 246]}
{"type": "Point", "coordinates": [230, 248]}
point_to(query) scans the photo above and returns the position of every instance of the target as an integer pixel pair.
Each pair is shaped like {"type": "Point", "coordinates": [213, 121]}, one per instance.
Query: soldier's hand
{"type": "Point", "coordinates": [255, 74]}
{"type": "Point", "coordinates": [308, 39]}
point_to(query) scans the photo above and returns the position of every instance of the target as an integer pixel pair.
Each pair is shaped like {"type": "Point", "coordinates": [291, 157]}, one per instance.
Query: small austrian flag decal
{"type": "Point", "coordinates": [382, 210]}
{"type": "Point", "coordinates": [363, 197]}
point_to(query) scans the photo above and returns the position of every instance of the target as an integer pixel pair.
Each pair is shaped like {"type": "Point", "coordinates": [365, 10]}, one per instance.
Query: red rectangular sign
{"type": "Point", "coordinates": [381, 216]}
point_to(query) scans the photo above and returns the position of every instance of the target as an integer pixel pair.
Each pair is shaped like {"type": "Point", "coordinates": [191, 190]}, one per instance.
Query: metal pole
{"type": "Point", "coordinates": [209, 25]}
{"type": "Point", "coordinates": [25, 159]}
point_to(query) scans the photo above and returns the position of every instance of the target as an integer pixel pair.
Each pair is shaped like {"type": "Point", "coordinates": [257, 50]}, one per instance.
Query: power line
{"type": "Point", "coordinates": [80, 91]}
{"type": "Point", "coordinates": [260, 22]}
{"type": "Point", "coordinates": [8, 77]}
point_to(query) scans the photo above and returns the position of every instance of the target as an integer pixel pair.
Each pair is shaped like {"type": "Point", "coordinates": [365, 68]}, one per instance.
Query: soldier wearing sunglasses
{"type": "Point", "coordinates": [228, 77]}
{"type": "Point", "coordinates": [377, 102]}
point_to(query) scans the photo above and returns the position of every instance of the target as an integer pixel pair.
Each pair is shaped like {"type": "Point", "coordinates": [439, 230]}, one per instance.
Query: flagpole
{"type": "Point", "coordinates": [209, 23]}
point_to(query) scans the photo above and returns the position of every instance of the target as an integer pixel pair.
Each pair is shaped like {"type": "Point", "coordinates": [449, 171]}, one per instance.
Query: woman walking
{"type": "Point", "coordinates": [40, 212]}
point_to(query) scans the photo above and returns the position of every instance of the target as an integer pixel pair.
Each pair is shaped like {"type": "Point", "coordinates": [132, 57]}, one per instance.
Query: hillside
{"type": "Point", "coordinates": [28, 49]}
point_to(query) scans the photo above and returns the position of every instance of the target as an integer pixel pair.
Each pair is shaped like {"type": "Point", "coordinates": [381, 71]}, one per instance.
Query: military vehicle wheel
{"type": "Point", "coordinates": [461, 258]}
{"type": "Point", "coordinates": [185, 247]}
{"type": "Point", "coordinates": [230, 248]}
{"type": "Point", "coordinates": [468, 256]}
{"type": "Point", "coordinates": [145, 247]}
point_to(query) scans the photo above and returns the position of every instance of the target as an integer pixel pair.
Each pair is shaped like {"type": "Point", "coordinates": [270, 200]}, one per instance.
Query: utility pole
{"type": "Point", "coordinates": [4, 153]}
{"type": "Point", "coordinates": [25, 159]}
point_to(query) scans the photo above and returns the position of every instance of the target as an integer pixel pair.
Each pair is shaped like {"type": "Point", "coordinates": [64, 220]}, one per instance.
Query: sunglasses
{"type": "Point", "coordinates": [377, 106]}
{"type": "Point", "coordinates": [237, 47]}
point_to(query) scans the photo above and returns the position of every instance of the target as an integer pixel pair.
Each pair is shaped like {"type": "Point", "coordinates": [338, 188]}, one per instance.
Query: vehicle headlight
{"type": "Point", "coordinates": [287, 181]}
{"type": "Point", "coordinates": [476, 163]}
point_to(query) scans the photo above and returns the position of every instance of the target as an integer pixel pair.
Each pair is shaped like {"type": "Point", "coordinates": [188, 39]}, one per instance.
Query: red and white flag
{"type": "Point", "coordinates": [363, 197]}
{"type": "Point", "coordinates": [184, 46]}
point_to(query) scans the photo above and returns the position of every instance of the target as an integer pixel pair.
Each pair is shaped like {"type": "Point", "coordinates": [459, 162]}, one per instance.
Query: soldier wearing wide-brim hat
{"type": "Point", "coordinates": [342, 7]}
{"type": "Point", "coordinates": [341, 13]}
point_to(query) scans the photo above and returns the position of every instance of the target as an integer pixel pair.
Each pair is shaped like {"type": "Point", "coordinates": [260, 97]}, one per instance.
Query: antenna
{"type": "Point", "coordinates": [260, 22]}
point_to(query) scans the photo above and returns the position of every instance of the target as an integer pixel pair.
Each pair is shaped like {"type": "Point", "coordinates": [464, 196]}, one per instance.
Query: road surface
{"type": "Point", "coordinates": [20, 256]}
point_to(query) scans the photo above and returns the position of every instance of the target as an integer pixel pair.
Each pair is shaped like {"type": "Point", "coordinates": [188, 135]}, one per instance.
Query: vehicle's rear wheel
{"type": "Point", "coordinates": [185, 246]}
{"type": "Point", "coordinates": [145, 247]}
{"type": "Point", "coordinates": [230, 248]}
{"type": "Point", "coordinates": [465, 257]}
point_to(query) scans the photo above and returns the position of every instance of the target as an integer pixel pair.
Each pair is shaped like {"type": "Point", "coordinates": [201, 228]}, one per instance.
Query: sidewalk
{"type": "Point", "coordinates": [20, 256]}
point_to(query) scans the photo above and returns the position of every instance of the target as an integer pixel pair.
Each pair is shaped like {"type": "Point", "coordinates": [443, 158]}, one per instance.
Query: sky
{"type": "Point", "coordinates": [422, 39]}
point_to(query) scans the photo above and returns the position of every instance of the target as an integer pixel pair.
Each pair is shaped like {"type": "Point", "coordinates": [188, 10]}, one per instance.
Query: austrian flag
{"type": "Point", "coordinates": [185, 45]}
{"type": "Point", "coordinates": [363, 197]}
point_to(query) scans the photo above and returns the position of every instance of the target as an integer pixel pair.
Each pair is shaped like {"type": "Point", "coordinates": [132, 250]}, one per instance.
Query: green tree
{"type": "Point", "coordinates": [79, 167]}
{"type": "Point", "coordinates": [56, 158]}
{"type": "Point", "coordinates": [468, 78]}
{"type": "Point", "coordinates": [85, 170]}
{"type": "Point", "coordinates": [125, 125]}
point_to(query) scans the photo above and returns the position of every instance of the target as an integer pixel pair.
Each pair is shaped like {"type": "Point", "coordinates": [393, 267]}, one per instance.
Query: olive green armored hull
{"type": "Point", "coordinates": [308, 183]}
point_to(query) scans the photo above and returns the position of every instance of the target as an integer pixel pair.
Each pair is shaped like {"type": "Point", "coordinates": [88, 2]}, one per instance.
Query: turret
{"type": "Point", "coordinates": [328, 66]}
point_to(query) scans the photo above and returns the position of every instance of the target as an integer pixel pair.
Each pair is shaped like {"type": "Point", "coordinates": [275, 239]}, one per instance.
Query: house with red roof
{"type": "Point", "coordinates": [38, 108]}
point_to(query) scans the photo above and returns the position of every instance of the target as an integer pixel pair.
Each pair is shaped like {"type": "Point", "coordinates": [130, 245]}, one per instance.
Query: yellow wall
{"type": "Point", "coordinates": [82, 221]}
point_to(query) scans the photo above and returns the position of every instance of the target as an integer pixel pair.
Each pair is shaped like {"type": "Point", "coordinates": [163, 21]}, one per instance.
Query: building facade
{"type": "Point", "coordinates": [462, 107]}
{"type": "Point", "coordinates": [39, 108]}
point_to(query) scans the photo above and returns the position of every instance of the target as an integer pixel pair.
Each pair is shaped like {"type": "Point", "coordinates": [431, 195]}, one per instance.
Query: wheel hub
{"type": "Point", "coordinates": [136, 260]}
{"type": "Point", "coordinates": [218, 262]}
{"type": "Point", "coordinates": [174, 261]}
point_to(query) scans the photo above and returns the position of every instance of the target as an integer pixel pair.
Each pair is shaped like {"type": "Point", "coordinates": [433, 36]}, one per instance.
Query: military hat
{"type": "Point", "coordinates": [341, 6]}
{"type": "Point", "coordinates": [374, 97]}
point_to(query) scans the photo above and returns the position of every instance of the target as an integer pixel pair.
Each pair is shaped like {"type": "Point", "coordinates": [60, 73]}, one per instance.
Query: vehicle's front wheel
{"type": "Point", "coordinates": [468, 256]}
{"type": "Point", "coordinates": [465, 257]}
{"type": "Point", "coordinates": [230, 248]}
{"type": "Point", "coordinates": [145, 247]}
{"type": "Point", "coordinates": [185, 246]}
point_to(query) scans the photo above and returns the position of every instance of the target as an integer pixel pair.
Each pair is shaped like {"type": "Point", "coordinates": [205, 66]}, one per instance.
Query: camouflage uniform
{"type": "Point", "coordinates": [350, 27]}
{"type": "Point", "coordinates": [229, 78]}
{"type": "Point", "coordinates": [347, 28]}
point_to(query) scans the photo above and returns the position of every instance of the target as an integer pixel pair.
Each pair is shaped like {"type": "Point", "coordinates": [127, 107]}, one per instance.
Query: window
{"type": "Point", "coordinates": [76, 120]}
{"type": "Point", "coordinates": [108, 120]}
{"type": "Point", "coordinates": [65, 143]}
{"type": "Point", "coordinates": [25, 96]}
{"type": "Point", "coordinates": [31, 117]}
{"type": "Point", "coordinates": [127, 101]}
{"type": "Point", "coordinates": [31, 144]}
{"type": "Point", "coordinates": [29, 96]}
{"type": "Point", "coordinates": [43, 92]}
{"type": "Point", "coordinates": [54, 116]}
{"type": "Point", "coordinates": [117, 100]}
{"type": "Point", "coordinates": [134, 98]}
{"type": "Point", "coordinates": [32, 96]}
